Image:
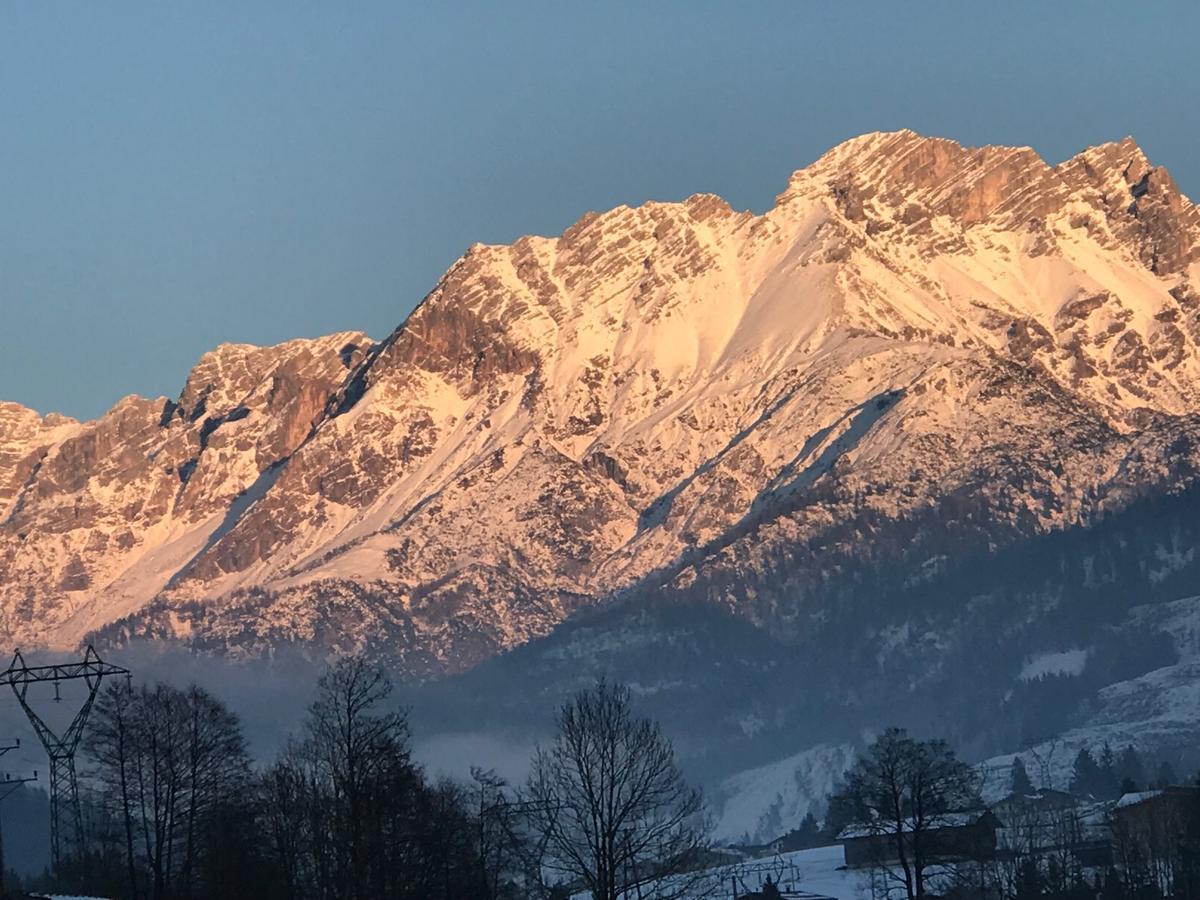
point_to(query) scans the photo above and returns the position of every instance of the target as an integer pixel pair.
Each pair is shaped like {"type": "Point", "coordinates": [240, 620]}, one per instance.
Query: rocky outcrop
{"type": "Point", "coordinates": [1141, 205]}
{"type": "Point", "coordinates": [102, 514]}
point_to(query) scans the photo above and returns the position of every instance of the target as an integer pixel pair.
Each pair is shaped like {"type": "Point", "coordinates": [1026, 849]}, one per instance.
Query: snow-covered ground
{"type": "Point", "coordinates": [1065, 662]}
{"type": "Point", "coordinates": [765, 802]}
{"type": "Point", "coordinates": [820, 871]}
{"type": "Point", "coordinates": [1159, 710]}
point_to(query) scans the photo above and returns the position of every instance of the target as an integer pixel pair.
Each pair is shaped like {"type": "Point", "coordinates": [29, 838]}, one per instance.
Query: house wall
{"type": "Point", "coordinates": [966, 842]}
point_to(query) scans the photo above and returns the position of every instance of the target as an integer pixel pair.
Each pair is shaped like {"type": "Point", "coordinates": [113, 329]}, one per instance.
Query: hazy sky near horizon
{"type": "Point", "coordinates": [173, 175]}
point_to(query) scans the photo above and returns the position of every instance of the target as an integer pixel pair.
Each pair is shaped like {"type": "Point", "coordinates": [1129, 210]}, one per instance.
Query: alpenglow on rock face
{"type": "Point", "coordinates": [919, 346]}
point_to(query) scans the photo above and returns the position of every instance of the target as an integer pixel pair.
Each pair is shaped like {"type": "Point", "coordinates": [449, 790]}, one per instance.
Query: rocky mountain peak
{"type": "Point", "coordinates": [1141, 204]}
{"type": "Point", "coordinates": [94, 514]}
{"type": "Point", "coordinates": [913, 177]}
{"type": "Point", "coordinates": [903, 169]}
{"type": "Point", "coordinates": [1115, 165]}
{"type": "Point", "coordinates": [224, 377]}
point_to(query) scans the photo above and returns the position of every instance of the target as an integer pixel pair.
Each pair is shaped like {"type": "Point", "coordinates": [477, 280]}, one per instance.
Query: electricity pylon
{"type": "Point", "coordinates": [64, 788]}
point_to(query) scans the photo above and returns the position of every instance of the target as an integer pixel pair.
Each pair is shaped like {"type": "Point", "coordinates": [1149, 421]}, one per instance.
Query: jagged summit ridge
{"type": "Point", "coordinates": [658, 392]}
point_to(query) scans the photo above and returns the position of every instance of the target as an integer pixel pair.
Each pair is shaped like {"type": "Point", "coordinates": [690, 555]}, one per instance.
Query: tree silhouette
{"type": "Point", "coordinates": [1020, 783]}
{"type": "Point", "coordinates": [902, 790]}
{"type": "Point", "coordinates": [609, 799]}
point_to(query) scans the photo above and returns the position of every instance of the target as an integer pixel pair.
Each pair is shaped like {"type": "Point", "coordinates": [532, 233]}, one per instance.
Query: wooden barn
{"type": "Point", "coordinates": [953, 836]}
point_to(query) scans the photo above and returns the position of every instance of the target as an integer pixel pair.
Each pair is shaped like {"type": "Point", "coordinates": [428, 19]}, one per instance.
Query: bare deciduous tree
{"type": "Point", "coordinates": [349, 816]}
{"type": "Point", "coordinates": [165, 760]}
{"type": "Point", "coordinates": [609, 799]}
{"type": "Point", "coordinates": [283, 803]}
{"type": "Point", "coordinates": [359, 781]}
{"type": "Point", "coordinates": [902, 791]}
{"type": "Point", "coordinates": [508, 866]}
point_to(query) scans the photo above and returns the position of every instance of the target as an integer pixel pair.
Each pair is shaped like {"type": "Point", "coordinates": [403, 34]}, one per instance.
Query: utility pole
{"type": "Point", "coordinates": [64, 788]}
{"type": "Point", "coordinates": [9, 785]}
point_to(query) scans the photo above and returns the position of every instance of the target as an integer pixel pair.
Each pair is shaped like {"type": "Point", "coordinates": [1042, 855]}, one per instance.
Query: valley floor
{"type": "Point", "coordinates": [819, 872]}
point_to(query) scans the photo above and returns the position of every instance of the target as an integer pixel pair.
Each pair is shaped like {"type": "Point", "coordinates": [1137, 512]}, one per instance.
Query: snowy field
{"type": "Point", "coordinates": [819, 871]}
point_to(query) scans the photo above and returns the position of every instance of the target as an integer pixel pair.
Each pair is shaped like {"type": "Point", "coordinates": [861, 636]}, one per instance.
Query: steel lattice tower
{"type": "Point", "coordinates": [64, 787]}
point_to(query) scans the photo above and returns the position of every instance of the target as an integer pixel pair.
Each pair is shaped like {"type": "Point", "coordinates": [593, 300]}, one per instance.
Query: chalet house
{"type": "Point", "coordinates": [951, 836]}
{"type": "Point", "coordinates": [1048, 821]}
{"type": "Point", "coordinates": [1150, 822]}
{"type": "Point", "coordinates": [1174, 803]}
{"type": "Point", "coordinates": [710, 858]}
{"type": "Point", "coordinates": [792, 841]}
{"type": "Point", "coordinates": [1042, 801]}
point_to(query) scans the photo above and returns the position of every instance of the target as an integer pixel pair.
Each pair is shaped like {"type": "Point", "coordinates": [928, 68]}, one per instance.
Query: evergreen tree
{"type": "Point", "coordinates": [1165, 777]}
{"type": "Point", "coordinates": [1086, 776]}
{"type": "Point", "coordinates": [1109, 786]}
{"type": "Point", "coordinates": [807, 835]}
{"type": "Point", "coordinates": [1020, 778]}
{"type": "Point", "coordinates": [839, 813]}
{"type": "Point", "coordinates": [1130, 770]}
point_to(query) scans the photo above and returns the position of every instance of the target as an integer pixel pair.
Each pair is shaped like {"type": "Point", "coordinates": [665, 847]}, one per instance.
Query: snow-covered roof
{"type": "Point", "coordinates": [1136, 797]}
{"type": "Point", "coordinates": [1036, 796]}
{"type": "Point", "coordinates": [945, 820]}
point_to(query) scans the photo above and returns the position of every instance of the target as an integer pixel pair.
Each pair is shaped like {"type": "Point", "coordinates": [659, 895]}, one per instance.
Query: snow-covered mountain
{"type": "Point", "coordinates": [563, 418]}
{"type": "Point", "coordinates": [920, 351]}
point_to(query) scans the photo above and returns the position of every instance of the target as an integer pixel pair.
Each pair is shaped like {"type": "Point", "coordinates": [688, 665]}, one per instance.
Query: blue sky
{"type": "Point", "coordinates": [177, 175]}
